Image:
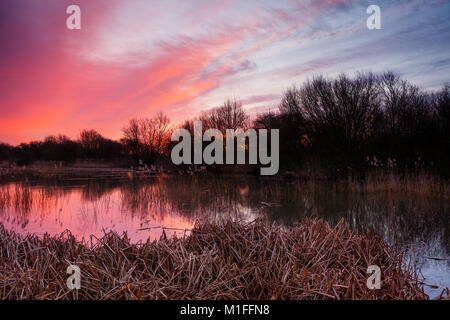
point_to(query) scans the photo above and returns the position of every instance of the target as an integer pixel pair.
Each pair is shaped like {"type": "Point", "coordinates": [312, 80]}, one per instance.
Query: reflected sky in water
{"type": "Point", "coordinates": [142, 207]}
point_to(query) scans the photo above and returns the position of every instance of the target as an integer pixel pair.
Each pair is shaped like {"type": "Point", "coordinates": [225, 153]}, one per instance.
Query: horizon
{"type": "Point", "coordinates": [134, 60]}
{"type": "Point", "coordinates": [172, 125]}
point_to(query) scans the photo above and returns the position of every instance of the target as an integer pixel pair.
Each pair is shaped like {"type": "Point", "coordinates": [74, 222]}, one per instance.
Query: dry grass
{"type": "Point", "coordinates": [234, 260]}
{"type": "Point", "coordinates": [419, 184]}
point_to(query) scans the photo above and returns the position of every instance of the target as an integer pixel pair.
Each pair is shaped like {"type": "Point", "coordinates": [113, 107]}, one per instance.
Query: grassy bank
{"type": "Point", "coordinates": [234, 260]}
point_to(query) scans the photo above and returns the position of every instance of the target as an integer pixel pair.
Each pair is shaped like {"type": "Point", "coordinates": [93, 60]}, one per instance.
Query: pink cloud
{"type": "Point", "coordinates": [52, 87]}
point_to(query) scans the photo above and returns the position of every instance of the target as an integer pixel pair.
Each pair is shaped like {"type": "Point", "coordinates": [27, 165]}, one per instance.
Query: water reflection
{"type": "Point", "coordinates": [89, 206]}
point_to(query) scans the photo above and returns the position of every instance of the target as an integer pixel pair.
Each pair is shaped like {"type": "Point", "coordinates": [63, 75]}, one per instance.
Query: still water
{"type": "Point", "coordinates": [143, 207]}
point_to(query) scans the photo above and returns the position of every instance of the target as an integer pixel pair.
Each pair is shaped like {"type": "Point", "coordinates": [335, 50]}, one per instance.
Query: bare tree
{"type": "Point", "coordinates": [344, 108]}
{"type": "Point", "coordinates": [146, 138]}
{"type": "Point", "coordinates": [267, 120]}
{"type": "Point", "coordinates": [291, 101]}
{"type": "Point", "coordinates": [154, 133]}
{"type": "Point", "coordinates": [91, 142]}
{"type": "Point", "coordinates": [230, 115]}
{"type": "Point", "coordinates": [404, 104]}
{"type": "Point", "coordinates": [131, 137]}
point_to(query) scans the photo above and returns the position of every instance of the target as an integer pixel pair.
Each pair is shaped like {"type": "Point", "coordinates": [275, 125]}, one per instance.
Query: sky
{"type": "Point", "coordinates": [134, 58]}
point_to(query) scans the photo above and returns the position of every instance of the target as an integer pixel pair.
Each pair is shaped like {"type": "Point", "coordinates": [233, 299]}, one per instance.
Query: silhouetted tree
{"type": "Point", "coordinates": [131, 137]}
{"type": "Point", "coordinates": [5, 151]}
{"type": "Point", "coordinates": [59, 148]}
{"type": "Point", "coordinates": [147, 138]}
{"type": "Point", "coordinates": [338, 115]}
{"type": "Point", "coordinates": [92, 143]}
{"type": "Point", "coordinates": [230, 115]}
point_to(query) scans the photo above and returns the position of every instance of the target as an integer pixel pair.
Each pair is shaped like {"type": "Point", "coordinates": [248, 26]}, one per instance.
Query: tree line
{"type": "Point", "coordinates": [352, 123]}
{"type": "Point", "coordinates": [89, 145]}
{"type": "Point", "coordinates": [342, 124]}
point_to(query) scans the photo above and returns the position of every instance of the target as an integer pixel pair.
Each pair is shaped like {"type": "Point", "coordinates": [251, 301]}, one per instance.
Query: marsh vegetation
{"type": "Point", "coordinates": [368, 153]}
{"type": "Point", "coordinates": [410, 213]}
{"type": "Point", "coordinates": [233, 260]}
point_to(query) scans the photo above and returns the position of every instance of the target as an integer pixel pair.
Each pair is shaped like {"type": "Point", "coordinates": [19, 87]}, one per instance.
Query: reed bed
{"type": "Point", "coordinates": [231, 260]}
{"type": "Point", "coordinates": [420, 184]}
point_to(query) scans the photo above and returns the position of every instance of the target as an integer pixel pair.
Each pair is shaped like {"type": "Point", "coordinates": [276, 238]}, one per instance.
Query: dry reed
{"type": "Point", "coordinates": [233, 260]}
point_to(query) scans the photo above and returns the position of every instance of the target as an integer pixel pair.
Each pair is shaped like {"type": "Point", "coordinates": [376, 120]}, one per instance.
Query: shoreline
{"type": "Point", "coordinates": [418, 183]}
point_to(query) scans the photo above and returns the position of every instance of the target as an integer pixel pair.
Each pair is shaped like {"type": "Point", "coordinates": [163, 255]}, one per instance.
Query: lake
{"type": "Point", "coordinates": [147, 207]}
